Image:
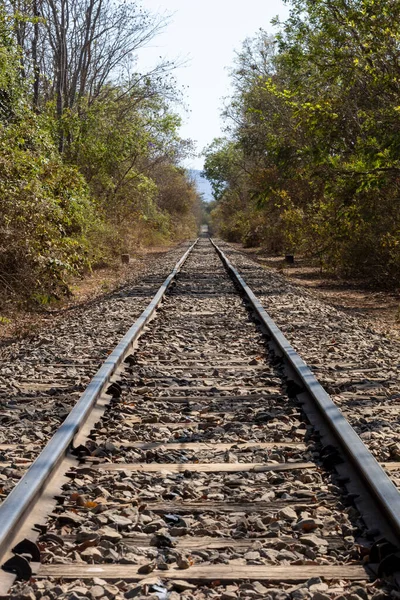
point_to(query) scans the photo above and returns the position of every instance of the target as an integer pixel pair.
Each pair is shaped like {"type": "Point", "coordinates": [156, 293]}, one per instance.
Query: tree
{"type": "Point", "coordinates": [315, 115]}
{"type": "Point", "coordinates": [73, 48]}
{"type": "Point", "coordinates": [89, 147]}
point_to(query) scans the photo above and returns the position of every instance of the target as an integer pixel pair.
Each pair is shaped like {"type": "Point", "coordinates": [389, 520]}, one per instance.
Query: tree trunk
{"type": "Point", "coordinates": [36, 70]}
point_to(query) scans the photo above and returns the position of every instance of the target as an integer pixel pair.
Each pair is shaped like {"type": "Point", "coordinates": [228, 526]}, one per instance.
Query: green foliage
{"type": "Point", "coordinates": [316, 133]}
{"type": "Point", "coordinates": [44, 206]}
{"type": "Point", "coordinates": [128, 154]}
{"type": "Point", "coordinates": [64, 208]}
{"type": "Point", "coordinates": [46, 214]}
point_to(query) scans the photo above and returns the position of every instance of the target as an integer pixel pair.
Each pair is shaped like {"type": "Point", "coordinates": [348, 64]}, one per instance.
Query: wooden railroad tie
{"type": "Point", "coordinates": [207, 573]}
{"type": "Point", "coordinates": [205, 467]}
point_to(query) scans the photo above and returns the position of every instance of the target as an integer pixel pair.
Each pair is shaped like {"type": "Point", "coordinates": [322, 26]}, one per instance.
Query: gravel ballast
{"type": "Point", "coordinates": [43, 375]}
{"type": "Point", "coordinates": [357, 366]}
{"type": "Point", "coordinates": [174, 392]}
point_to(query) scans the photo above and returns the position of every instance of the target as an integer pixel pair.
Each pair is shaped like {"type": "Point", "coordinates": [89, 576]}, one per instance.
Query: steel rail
{"type": "Point", "coordinates": [382, 489]}
{"type": "Point", "coordinates": [27, 490]}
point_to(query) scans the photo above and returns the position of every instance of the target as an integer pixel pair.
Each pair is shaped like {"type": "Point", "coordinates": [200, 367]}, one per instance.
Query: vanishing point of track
{"type": "Point", "coordinates": [203, 456]}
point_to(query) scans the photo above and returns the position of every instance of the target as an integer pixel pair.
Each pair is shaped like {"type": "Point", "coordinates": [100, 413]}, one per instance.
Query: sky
{"type": "Point", "coordinates": [206, 34]}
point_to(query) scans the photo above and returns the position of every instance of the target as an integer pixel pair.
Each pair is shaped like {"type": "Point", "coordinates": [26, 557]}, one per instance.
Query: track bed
{"type": "Point", "coordinates": [204, 477]}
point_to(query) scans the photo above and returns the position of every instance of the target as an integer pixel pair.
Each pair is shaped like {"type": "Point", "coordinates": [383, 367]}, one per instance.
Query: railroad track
{"type": "Point", "coordinates": [203, 459]}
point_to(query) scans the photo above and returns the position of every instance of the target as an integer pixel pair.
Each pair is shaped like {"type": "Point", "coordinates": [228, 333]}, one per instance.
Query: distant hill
{"type": "Point", "coordinates": [202, 184]}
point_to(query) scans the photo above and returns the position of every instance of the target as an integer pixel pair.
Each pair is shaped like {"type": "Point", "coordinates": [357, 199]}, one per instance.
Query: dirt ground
{"type": "Point", "coordinates": [379, 310]}
{"type": "Point", "coordinates": [16, 323]}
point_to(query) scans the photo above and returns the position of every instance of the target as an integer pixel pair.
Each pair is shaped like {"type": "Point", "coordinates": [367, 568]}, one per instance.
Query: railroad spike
{"type": "Point", "coordinates": [114, 390]}
{"type": "Point", "coordinates": [389, 565]}
{"type": "Point", "coordinates": [19, 566]}
{"type": "Point", "coordinates": [80, 451]}
{"type": "Point", "coordinates": [381, 550]}
{"type": "Point", "coordinates": [131, 360]}
{"type": "Point", "coordinates": [42, 528]}
{"type": "Point", "coordinates": [293, 388]}
{"type": "Point", "coordinates": [28, 547]}
{"type": "Point", "coordinates": [331, 456]}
